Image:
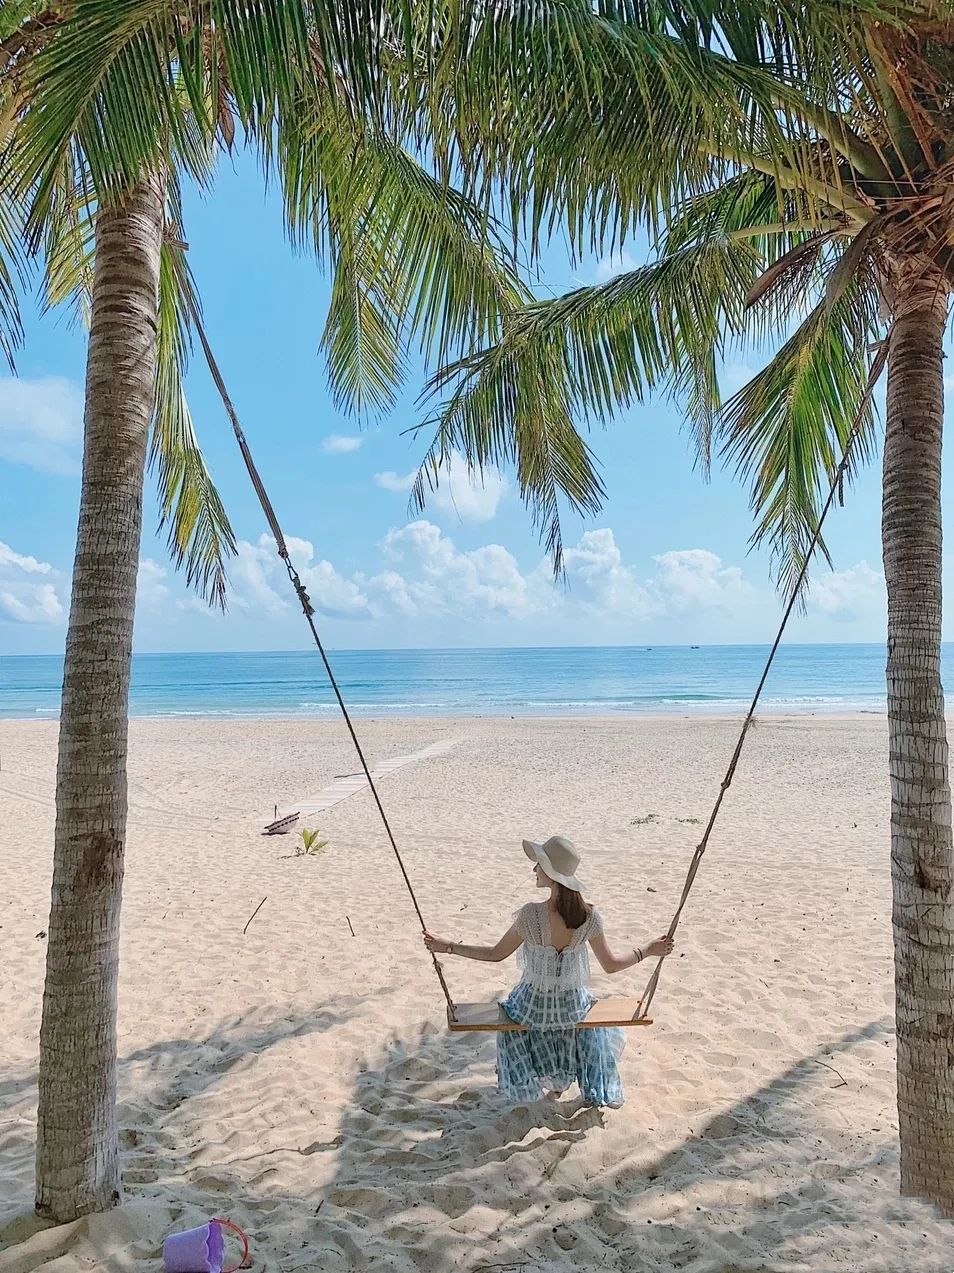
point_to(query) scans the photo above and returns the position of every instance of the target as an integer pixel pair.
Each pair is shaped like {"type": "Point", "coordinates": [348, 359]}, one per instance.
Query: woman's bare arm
{"type": "Point", "coordinates": [615, 963]}
{"type": "Point", "coordinates": [507, 945]}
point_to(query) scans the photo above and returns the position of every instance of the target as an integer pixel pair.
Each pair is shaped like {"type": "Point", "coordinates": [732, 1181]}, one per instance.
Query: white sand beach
{"type": "Point", "coordinates": [301, 1080]}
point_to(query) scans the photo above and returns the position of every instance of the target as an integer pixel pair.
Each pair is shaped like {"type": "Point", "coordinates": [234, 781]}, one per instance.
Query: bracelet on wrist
{"type": "Point", "coordinates": [638, 952]}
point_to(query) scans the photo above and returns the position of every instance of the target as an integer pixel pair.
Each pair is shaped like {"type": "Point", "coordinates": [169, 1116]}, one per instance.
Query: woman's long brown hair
{"type": "Point", "coordinates": [571, 907]}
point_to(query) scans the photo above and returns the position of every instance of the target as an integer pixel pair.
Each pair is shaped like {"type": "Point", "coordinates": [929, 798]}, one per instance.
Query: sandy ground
{"type": "Point", "coordinates": [301, 1080]}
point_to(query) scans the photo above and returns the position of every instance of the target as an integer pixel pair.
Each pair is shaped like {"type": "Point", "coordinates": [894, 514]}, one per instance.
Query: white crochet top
{"type": "Point", "coordinates": [543, 966]}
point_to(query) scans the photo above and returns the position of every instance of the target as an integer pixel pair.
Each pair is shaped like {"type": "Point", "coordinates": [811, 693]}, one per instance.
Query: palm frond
{"type": "Point", "coordinates": [13, 272]}
{"type": "Point", "coordinates": [70, 238]}
{"type": "Point", "coordinates": [136, 81]}
{"type": "Point", "coordinates": [413, 259]}
{"type": "Point", "coordinates": [199, 535]}
{"type": "Point", "coordinates": [361, 341]}
{"type": "Point", "coordinates": [602, 348]}
{"type": "Point", "coordinates": [13, 14]}
{"type": "Point", "coordinates": [787, 429]}
{"type": "Point", "coordinates": [736, 265]}
{"type": "Point", "coordinates": [16, 20]}
{"type": "Point", "coordinates": [517, 413]}
{"type": "Point", "coordinates": [606, 115]}
{"type": "Point", "coordinates": [585, 356]}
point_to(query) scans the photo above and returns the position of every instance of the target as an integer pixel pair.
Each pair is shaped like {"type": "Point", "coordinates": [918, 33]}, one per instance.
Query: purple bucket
{"type": "Point", "coordinates": [200, 1250]}
{"type": "Point", "coordinates": [195, 1251]}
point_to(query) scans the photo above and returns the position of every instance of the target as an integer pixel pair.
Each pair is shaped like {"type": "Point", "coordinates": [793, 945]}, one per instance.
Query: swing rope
{"type": "Point", "coordinates": [645, 1001]}
{"type": "Point", "coordinates": [874, 375]}
{"type": "Point", "coordinates": [309, 613]}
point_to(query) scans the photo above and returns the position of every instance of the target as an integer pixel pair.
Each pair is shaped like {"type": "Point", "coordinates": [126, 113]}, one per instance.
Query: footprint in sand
{"type": "Point", "coordinates": [323, 1146]}
{"type": "Point", "coordinates": [367, 1202]}
{"type": "Point", "coordinates": [416, 1069]}
{"type": "Point", "coordinates": [724, 1060]}
{"type": "Point", "coordinates": [722, 1127]}
{"type": "Point", "coordinates": [213, 1184]}
{"type": "Point", "coordinates": [453, 1200]}
{"type": "Point", "coordinates": [140, 1175]}
{"type": "Point", "coordinates": [565, 1238]}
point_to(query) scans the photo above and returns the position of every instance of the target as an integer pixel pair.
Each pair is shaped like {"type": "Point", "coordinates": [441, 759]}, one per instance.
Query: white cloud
{"type": "Point", "coordinates": [390, 481]}
{"type": "Point", "coordinates": [618, 263]}
{"type": "Point", "coordinates": [441, 579]}
{"type": "Point", "coordinates": [41, 423]}
{"type": "Point", "coordinates": [391, 591]}
{"type": "Point", "coordinates": [29, 565]}
{"type": "Point", "coordinates": [39, 605]}
{"type": "Point", "coordinates": [24, 600]}
{"type": "Point", "coordinates": [251, 572]}
{"type": "Point", "coordinates": [469, 496]}
{"type": "Point", "coordinates": [846, 595]}
{"type": "Point", "coordinates": [259, 581]}
{"type": "Point", "coordinates": [341, 444]}
{"type": "Point", "coordinates": [423, 587]}
{"type": "Point", "coordinates": [465, 494]}
{"type": "Point", "coordinates": [431, 576]}
{"type": "Point", "coordinates": [596, 574]}
{"type": "Point", "coordinates": [695, 579]}
{"type": "Point", "coordinates": [685, 582]}
{"type": "Point", "coordinates": [151, 590]}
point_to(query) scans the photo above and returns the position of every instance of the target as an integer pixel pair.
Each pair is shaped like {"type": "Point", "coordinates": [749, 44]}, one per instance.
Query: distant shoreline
{"type": "Point", "coordinates": [776, 713]}
{"type": "Point", "coordinates": [485, 649]}
{"type": "Point", "coordinates": [582, 682]}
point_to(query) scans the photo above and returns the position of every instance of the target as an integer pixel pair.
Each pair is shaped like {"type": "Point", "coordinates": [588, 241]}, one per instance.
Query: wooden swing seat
{"type": "Point", "coordinates": [473, 1017]}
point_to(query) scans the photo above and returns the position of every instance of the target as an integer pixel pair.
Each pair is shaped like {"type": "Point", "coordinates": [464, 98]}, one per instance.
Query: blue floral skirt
{"type": "Point", "coordinates": [550, 1058]}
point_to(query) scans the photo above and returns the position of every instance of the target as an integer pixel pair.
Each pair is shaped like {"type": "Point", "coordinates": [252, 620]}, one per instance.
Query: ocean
{"type": "Point", "coordinates": [589, 680]}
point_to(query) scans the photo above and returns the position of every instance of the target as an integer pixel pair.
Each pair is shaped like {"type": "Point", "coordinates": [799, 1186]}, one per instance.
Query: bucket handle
{"type": "Point", "coordinates": [241, 1233]}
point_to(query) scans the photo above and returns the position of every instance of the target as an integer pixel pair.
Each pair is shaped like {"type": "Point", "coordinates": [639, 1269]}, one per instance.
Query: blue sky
{"type": "Point", "coordinates": [667, 561]}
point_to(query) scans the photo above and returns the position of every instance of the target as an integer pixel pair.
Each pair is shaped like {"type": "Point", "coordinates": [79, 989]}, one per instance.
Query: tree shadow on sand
{"type": "Point", "coordinates": [424, 1169]}
{"type": "Point", "coordinates": [155, 1083]}
{"type": "Point", "coordinates": [433, 1175]}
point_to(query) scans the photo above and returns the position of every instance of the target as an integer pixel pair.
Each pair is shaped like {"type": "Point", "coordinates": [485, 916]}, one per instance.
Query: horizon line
{"type": "Point", "coordinates": [451, 649]}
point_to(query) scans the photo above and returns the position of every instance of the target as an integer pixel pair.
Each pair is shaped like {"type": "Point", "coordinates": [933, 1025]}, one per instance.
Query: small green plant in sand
{"type": "Point", "coordinates": [310, 845]}
{"type": "Point", "coordinates": [644, 820]}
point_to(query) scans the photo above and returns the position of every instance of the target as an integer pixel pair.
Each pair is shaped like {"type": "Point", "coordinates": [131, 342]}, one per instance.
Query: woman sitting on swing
{"type": "Point", "coordinates": [552, 996]}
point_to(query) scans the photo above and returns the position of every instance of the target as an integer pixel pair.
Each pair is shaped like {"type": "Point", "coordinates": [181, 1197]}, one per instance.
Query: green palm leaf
{"type": "Point", "coordinates": [602, 116]}
{"type": "Point", "coordinates": [361, 341]}
{"type": "Point", "coordinates": [130, 79]}
{"type": "Point", "coordinates": [587, 355]}
{"type": "Point", "coordinates": [516, 412]}
{"type": "Point", "coordinates": [787, 429]}
{"type": "Point", "coordinates": [70, 238]}
{"type": "Point", "coordinates": [200, 536]}
{"type": "Point", "coordinates": [412, 258]}
{"type": "Point", "coordinates": [13, 271]}
{"type": "Point", "coordinates": [663, 328]}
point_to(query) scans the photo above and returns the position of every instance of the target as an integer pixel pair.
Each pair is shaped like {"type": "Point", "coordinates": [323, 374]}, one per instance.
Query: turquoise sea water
{"type": "Point", "coordinates": [581, 681]}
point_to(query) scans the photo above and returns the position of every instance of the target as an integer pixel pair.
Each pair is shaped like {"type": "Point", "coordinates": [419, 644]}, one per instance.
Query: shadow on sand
{"type": "Point", "coordinates": [427, 1170]}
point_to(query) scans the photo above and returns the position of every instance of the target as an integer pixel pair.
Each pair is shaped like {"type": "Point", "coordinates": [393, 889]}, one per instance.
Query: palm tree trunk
{"type": "Point", "coordinates": [77, 1150]}
{"type": "Point", "coordinates": [922, 860]}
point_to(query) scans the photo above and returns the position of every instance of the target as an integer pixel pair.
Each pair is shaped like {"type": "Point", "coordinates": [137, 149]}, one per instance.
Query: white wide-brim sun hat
{"type": "Point", "coordinates": [558, 859]}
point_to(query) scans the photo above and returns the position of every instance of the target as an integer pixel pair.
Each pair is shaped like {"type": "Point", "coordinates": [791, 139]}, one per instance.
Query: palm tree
{"type": "Point", "coordinates": [105, 104]}
{"type": "Point", "coordinates": [793, 166]}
